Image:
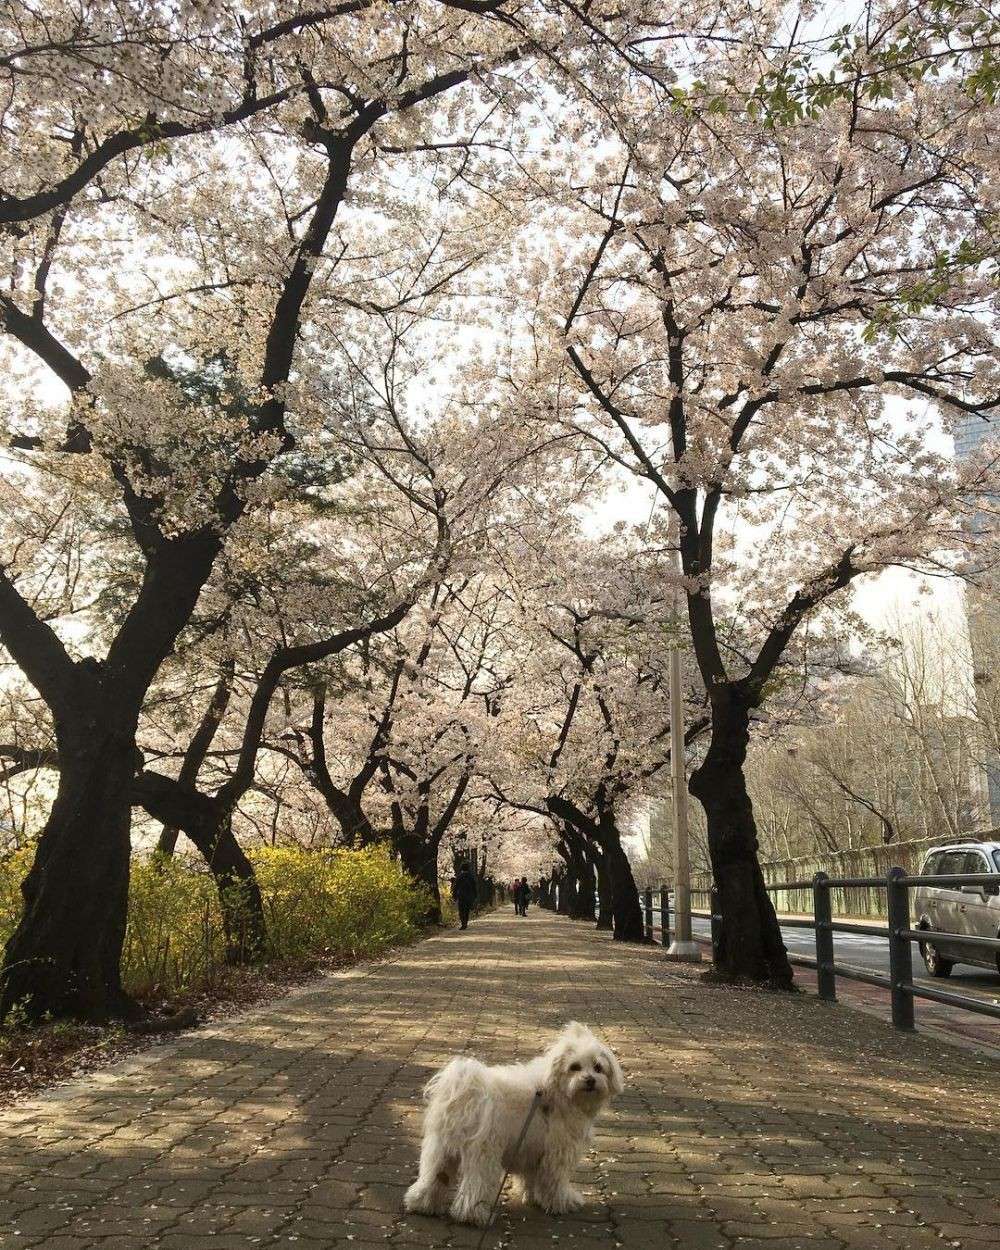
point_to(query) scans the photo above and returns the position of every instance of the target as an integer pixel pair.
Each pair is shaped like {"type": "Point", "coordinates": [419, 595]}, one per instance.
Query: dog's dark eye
{"type": "Point", "coordinates": [598, 1068]}
{"type": "Point", "coordinates": [574, 1067]}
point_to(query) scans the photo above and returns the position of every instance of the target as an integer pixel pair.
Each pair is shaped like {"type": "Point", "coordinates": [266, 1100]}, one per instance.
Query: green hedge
{"type": "Point", "coordinates": [340, 904]}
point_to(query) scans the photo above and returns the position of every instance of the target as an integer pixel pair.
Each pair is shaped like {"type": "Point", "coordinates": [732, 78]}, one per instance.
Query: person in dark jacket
{"type": "Point", "coordinates": [463, 891]}
{"type": "Point", "coordinates": [522, 892]}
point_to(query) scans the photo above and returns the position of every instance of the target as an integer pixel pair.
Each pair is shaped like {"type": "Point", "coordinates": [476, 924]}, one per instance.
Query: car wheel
{"type": "Point", "coordinates": [933, 962]}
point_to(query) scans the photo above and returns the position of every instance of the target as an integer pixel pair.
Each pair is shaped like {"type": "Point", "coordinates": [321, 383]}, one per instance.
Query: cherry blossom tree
{"type": "Point", "coordinates": [882, 47]}
{"type": "Point", "coordinates": [410, 733]}
{"type": "Point", "coordinates": [283, 597]}
{"type": "Point", "coordinates": [203, 194]}
{"type": "Point", "coordinates": [588, 721]}
{"type": "Point", "coordinates": [761, 322]}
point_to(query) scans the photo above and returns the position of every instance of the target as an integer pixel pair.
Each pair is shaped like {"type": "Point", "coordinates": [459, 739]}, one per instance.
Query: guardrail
{"type": "Point", "coordinates": [656, 914]}
{"type": "Point", "coordinates": [899, 931]}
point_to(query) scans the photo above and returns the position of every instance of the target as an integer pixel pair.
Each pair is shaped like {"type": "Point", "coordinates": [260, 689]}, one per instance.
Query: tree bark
{"type": "Point", "coordinates": [580, 869]}
{"type": "Point", "coordinates": [567, 892]}
{"type": "Point", "coordinates": [240, 900]}
{"type": "Point", "coordinates": [198, 748]}
{"type": "Point", "coordinates": [420, 859]}
{"type": "Point", "coordinates": [64, 957]}
{"type": "Point", "coordinates": [751, 947]}
{"type": "Point", "coordinates": [355, 827]}
{"type": "Point", "coordinates": [343, 805]}
{"type": "Point", "coordinates": [584, 906]}
{"type": "Point", "coordinates": [605, 912]}
{"type": "Point", "coordinates": [209, 825]}
{"type": "Point", "coordinates": [626, 911]}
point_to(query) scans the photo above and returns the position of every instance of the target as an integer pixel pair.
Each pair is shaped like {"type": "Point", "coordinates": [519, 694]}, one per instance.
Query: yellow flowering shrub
{"type": "Point", "coordinates": [335, 902]}
{"type": "Point", "coordinates": [317, 904]}
{"type": "Point", "coordinates": [174, 937]}
{"type": "Point", "coordinates": [13, 869]}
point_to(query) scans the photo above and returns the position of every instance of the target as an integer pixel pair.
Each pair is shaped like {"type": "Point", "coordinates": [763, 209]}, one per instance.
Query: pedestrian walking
{"type": "Point", "coordinates": [522, 892]}
{"type": "Point", "coordinates": [464, 892]}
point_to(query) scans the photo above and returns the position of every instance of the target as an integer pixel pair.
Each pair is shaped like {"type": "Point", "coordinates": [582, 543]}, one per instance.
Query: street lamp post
{"type": "Point", "coordinates": [683, 948]}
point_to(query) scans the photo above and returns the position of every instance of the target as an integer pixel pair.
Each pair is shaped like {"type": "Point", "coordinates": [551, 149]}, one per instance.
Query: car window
{"type": "Point", "coordinates": [996, 859]}
{"type": "Point", "coordinates": [934, 863]}
{"type": "Point", "coordinates": [952, 863]}
{"type": "Point", "coordinates": [975, 861]}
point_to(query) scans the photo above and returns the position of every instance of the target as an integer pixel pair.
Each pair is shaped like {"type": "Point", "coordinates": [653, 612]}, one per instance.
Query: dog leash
{"type": "Point", "coordinates": [535, 1104]}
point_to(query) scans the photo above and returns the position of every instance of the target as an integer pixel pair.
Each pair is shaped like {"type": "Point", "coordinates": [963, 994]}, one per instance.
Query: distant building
{"type": "Point", "coordinates": [659, 841]}
{"type": "Point", "coordinates": [955, 751]}
{"type": "Point", "coordinates": [971, 432]}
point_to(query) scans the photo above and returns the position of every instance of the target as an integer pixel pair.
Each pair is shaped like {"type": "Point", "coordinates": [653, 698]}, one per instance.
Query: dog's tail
{"type": "Point", "coordinates": [458, 1098]}
{"type": "Point", "coordinates": [457, 1079]}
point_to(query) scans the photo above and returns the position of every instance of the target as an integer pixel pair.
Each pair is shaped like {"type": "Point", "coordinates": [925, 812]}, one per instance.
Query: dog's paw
{"type": "Point", "coordinates": [565, 1201]}
{"type": "Point", "coordinates": [415, 1198]}
{"type": "Point", "coordinates": [423, 1200]}
{"type": "Point", "coordinates": [477, 1213]}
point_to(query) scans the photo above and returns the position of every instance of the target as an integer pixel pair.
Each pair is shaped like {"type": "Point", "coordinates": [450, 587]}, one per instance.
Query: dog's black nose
{"type": "Point", "coordinates": [591, 1083]}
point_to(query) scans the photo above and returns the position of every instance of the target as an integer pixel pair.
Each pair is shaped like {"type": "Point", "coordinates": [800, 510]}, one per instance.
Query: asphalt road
{"type": "Point", "coordinates": [872, 954]}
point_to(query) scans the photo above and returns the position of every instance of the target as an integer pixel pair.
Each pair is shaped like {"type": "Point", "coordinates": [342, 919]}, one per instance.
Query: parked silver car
{"type": "Point", "coordinates": [968, 909]}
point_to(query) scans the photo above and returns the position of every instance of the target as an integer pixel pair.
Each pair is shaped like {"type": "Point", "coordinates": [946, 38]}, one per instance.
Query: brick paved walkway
{"type": "Point", "coordinates": [750, 1122]}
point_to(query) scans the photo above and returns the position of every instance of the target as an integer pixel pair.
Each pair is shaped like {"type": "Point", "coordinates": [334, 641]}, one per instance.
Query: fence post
{"type": "Point", "coordinates": [900, 949]}
{"type": "Point", "coordinates": [826, 980]}
{"type": "Point", "coordinates": [648, 908]}
{"type": "Point", "coordinates": [714, 904]}
{"type": "Point", "coordinates": [664, 915]}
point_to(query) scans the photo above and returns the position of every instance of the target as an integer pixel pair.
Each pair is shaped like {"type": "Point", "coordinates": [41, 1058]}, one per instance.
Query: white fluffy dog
{"type": "Point", "coordinates": [475, 1116]}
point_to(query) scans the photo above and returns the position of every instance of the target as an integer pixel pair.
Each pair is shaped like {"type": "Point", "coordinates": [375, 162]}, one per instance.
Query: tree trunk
{"type": "Point", "coordinates": [620, 889]}
{"type": "Point", "coordinates": [584, 908]}
{"type": "Point", "coordinates": [199, 747]}
{"type": "Point", "coordinates": [567, 892]}
{"type": "Point", "coordinates": [751, 947]}
{"type": "Point", "coordinates": [208, 823]}
{"type": "Point", "coordinates": [64, 957]}
{"type": "Point", "coordinates": [581, 870]}
{"type": "Point", "coordinates": [166, 844]}
{"type": "Point", "coordinates": [420, 859]}
{"type": "Point", "coordinates": [626, 911]}
{"type": "Point", "coordinates": [605, 913]}
{"type": "Point", "coordinates": [355, 827]}
{"type": "Point", "coordinates": [240, 900]}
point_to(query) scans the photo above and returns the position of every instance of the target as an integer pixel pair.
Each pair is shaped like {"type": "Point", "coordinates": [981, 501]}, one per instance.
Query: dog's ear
{"type": "Point", "coordinates": [556, 1059]}
{"type": "Point", "coordinates": [617, 1076]}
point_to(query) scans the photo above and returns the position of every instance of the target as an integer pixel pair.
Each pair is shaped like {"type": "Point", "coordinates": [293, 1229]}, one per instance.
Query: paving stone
{"type": "Point", "coordinates": [750, 1122]}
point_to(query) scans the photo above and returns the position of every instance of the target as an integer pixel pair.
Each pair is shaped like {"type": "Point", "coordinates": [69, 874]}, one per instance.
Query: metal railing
{"type": "Point", "coordinates": [656, 914]}
{"type": "Point", "coordinates": [899, 931]}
